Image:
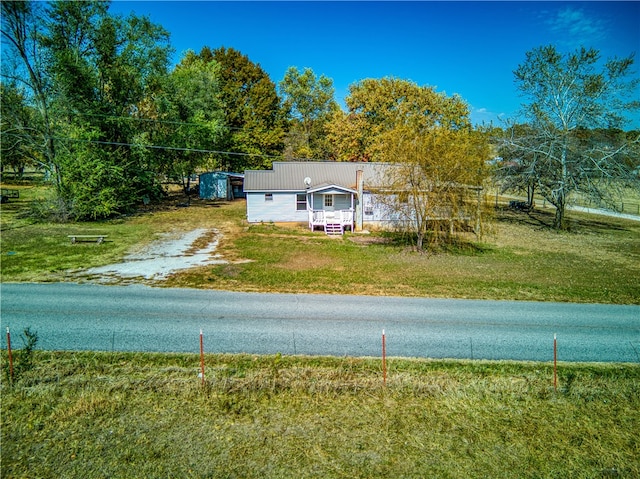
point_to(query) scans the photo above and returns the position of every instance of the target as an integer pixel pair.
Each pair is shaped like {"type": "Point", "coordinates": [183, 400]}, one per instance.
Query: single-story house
{"type": "Point", "coordinates": [221, 185]}
{"type": "Point", "coordinates": [339, 196]}
{"type": "Point", "coordinates": [334, 196]}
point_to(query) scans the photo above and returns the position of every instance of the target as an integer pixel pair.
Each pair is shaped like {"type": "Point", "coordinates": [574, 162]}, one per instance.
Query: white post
{"type": "Point", "coordinates": [359, 205]}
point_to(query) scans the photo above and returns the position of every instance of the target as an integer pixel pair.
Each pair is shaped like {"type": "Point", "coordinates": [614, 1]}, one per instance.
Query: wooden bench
{"type": "Point", "coordinates": [78, 238]}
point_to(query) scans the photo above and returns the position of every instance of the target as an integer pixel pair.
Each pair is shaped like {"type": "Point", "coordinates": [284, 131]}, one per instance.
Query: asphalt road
{"type": "Point", "coordinates": [70, 316]}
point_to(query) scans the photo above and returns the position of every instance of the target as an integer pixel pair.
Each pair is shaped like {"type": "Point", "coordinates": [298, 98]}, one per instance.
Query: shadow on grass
{"type": "Point", "coordinates": [438, 243]}
{"type": "Point", "coordinates": [576, 223]}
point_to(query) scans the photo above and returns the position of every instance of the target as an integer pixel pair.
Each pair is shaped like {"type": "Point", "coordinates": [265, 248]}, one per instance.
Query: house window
{"type": "Point", "coordinates": [328, 201]}
{"type": "Point", "coordinates": [268, 196]}
{"type": "Point", "coordinates": [301, 202]}
{"type": "Point", "coordinates": [368, 209]}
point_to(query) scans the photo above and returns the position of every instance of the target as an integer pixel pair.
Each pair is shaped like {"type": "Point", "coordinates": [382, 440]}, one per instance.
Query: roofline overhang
{"type": "Point", "coordinates": [318, 189]}
{"type": "Point", "coordinates": [264, 190]}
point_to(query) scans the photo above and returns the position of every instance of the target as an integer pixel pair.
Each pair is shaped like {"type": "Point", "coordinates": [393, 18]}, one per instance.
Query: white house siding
{"type": "Point", "coordinates": [377, 214]}
{"type": "Point", "coordinates": [282, 208]}
{"type": "Point", "coordinates": [340, 202]}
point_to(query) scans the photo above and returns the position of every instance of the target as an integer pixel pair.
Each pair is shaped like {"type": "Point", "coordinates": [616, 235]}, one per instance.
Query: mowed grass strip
{"type": "Point", "coordinates": [91, 415]}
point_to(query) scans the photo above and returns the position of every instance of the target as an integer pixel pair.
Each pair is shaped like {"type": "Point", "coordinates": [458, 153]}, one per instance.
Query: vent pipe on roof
{"type": "Point", "coordinates": [360, 188]}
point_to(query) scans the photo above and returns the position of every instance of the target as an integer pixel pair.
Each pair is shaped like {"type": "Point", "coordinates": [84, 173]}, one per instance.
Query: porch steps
{"type": "Point", "coordinates": [333, 228]}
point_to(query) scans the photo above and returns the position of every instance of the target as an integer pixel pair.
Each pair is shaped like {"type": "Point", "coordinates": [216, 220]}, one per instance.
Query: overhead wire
{"type": "Point", "coordinates": [155, 120]}
{"type": "Point", "coordinates": [161, 147]}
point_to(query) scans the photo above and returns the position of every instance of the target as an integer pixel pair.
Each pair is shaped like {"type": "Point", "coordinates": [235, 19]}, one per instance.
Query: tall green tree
{"type": "Point", "coordinates": [568, 95]}
{"type": "Point", "coordinates": [252, 111]}
{"type": "Point", "coordinates": [102, 65]}
{"type": "Point", "coordinates": [310, 103]}
{"type": "Point", "coordinates": [17, 122]}
{"type": "Point", "coordinates": [24, 68]}
{"type": "Point", "coordinates": [85, 71]}
{"type": "Point", "coordinates": [191, 119]}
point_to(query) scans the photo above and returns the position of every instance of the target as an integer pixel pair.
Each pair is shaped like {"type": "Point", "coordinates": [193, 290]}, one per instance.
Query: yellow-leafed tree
{"type": "Point", "coordinates": [435, 187]}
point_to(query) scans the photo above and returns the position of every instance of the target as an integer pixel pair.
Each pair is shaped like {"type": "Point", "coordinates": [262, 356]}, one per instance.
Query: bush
{"type": "Point", "coordinates": [55, 210]}
{"type": "Point", "coordinates": [23, 358]}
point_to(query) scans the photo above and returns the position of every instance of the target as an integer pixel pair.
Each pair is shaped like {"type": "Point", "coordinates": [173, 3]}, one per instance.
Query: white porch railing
{"type": "Point", "coordinates": [321, 218]}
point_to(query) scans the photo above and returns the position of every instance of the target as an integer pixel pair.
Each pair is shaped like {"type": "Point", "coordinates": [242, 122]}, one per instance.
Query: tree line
{"type": "Point", "coordinates": [90, 97]}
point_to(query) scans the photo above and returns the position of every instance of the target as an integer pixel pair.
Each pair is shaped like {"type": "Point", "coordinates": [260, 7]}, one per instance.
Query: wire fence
{"type": "Point", "coordinates": [437, 343]}
{"type": "Point", "coordinates": [624, 207]}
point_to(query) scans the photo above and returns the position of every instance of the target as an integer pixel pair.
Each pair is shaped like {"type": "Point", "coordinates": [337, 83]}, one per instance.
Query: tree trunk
{"type": "Point", "coordinates": [561, 196]}
{"type": "Point", "coordinates": [558, 222]}
{"type": "Point", "coordinates": [420, 241]}
{"type": "Point", "coordinates": [531, 189]}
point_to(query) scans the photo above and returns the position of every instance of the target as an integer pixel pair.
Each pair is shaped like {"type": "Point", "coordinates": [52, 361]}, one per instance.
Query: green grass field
{"type": "Point", "coordinates": [520, 257]}
{"type": "Point", "coordinates": [132, 415]}
{"type": "Point", "coordinates": [117, 415]}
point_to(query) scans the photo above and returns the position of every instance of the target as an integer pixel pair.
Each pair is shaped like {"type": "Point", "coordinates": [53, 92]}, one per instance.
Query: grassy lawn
{"type": "Point", "coordinates": [120, 415]}
{"type": "Point", "coordinates": [598, 260]}
{"type": "Point", "coordinates": [518, 261]}
{"type": "Point", "coordinates": [129, 415]}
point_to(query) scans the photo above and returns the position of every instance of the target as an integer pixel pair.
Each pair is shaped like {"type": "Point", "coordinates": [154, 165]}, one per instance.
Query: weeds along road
{"type": "Point", "coordinates": [70, 316]}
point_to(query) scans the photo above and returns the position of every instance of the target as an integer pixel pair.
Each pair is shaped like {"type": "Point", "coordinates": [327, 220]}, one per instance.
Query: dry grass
{"type": "Point", "coordinates": [597, 260]}
{"type": "Point", "coordinates": [144, 415]}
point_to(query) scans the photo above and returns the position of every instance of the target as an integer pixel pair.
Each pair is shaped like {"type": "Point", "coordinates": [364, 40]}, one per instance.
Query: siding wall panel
{"type": "Point", "coordinates": [281, 209]}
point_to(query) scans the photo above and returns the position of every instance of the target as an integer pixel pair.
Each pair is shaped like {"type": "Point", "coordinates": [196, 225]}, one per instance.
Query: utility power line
{"type": "Point", "coordinates": [160, 147]}
{"type": "Point", "coordinates": [153, 120]}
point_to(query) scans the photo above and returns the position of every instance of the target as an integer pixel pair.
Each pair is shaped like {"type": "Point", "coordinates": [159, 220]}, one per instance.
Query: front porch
{"type": "Point", "coordinates": [331, 207]}
{"type": "Point", "coordinates": [333, 222]}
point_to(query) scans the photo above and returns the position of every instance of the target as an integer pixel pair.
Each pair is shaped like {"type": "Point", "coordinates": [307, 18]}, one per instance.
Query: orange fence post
{"type": "Point", "coordinates": [201, 358]}
{"type": "Point", "coordinates": [10, 355]}
{"type": "Point", "coordinates": [384, 359]}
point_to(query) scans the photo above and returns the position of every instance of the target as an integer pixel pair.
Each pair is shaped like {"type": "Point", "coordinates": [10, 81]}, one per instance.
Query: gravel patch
{"type": "Point", "coordinates": [162, 258]}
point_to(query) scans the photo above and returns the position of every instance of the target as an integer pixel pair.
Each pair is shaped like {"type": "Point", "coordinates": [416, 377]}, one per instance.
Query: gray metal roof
{"type": "Point", "coordinates": [290, 175]}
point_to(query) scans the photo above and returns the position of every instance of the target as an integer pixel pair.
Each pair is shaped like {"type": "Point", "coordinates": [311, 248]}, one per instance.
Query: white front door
{"type": "Point", "coordinates": [328, 203]}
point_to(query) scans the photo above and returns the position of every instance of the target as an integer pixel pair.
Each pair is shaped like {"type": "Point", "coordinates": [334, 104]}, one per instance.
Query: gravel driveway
{"type": "Point", "coordinates": [173, 252]}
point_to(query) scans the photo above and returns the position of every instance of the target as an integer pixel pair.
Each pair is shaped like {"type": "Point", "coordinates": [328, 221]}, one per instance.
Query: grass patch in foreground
{"type": "Point", "coordinates": [115, 415]}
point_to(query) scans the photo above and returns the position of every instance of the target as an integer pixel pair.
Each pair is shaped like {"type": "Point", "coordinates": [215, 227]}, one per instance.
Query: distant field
{"type": "Point", "coordinates": [597, 260]}
{"type": "Point", "coordinates": [627, 200]}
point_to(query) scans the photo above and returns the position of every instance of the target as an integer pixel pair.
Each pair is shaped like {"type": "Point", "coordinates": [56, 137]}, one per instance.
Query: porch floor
{"type": "Point", "coordinates": [333, 222]}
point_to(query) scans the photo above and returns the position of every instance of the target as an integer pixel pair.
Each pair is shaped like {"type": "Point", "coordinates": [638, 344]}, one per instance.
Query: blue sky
{"type": "Point", "coordinates": [468, 48]}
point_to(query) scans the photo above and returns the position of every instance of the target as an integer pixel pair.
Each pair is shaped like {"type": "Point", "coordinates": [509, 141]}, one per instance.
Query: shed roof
{"type": "Point", "coordinates": [290, 175]}
{"type": "Point", "coordinates": [222, 173]}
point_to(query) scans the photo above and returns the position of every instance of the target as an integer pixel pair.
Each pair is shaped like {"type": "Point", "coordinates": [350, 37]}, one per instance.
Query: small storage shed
{"type": "Point", "coordinates": [221, 185]}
